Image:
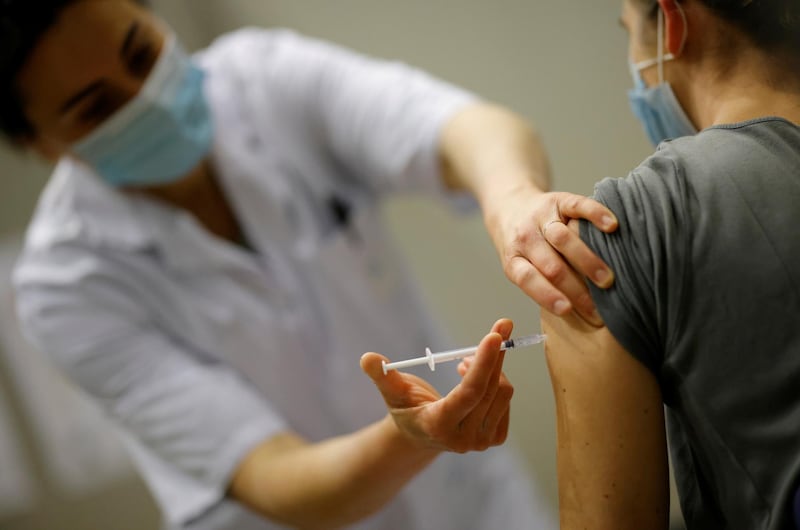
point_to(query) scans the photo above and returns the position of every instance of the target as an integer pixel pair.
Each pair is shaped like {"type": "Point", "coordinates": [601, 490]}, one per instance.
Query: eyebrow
{"type": "Point", "coordinates": [97, 85]}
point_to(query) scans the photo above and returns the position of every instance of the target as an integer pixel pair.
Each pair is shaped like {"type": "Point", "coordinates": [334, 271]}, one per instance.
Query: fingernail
{"type": "Point", "coordinates": [561, 307]}
{"type": "Point", "coordinates": [608, 221]}
{"type": "Point", "coordinates": [602, 277]}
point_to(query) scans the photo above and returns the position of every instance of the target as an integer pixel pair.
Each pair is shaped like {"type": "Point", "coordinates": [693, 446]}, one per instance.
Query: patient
{"type": "Point", "coordinates": [703, 322]}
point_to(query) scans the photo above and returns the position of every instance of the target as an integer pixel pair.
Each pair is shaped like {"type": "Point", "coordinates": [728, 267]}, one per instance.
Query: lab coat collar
{"type": "Point", "coordinates": [78, 206]}
{"type": "Point", "coordinates": [183, 244]}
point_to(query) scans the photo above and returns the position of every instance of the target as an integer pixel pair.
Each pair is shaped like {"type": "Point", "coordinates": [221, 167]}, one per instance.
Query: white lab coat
{"type": "Point", "coordinates": [198, 349]}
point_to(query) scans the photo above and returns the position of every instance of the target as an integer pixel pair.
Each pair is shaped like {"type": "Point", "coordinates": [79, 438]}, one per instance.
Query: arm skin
{"type": "Point", "coordinates": [612, 457]}
{"type": "Point", "coordinates": [496, 155]}
{"type": "Point", "coordinates": [341, 480]}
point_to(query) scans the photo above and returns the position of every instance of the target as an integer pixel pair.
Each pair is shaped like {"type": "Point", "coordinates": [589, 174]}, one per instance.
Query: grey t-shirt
{"type": "Point", "coordinates": [707, 296]}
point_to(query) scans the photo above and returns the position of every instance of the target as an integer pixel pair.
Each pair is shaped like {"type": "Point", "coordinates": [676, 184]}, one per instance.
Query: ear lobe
{"type": "Point", "coordinates": [676, 26]}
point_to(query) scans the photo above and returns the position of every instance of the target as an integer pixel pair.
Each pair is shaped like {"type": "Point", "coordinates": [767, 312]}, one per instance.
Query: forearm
{"type": "Point", "coordinates": [332, 483]}
{"type": "Point", "coordinates": [492, 152]}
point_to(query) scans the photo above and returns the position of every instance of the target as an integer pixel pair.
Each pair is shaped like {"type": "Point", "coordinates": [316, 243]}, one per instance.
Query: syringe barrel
{"type": "Point", "coordinates": [520, 342]}
{"type": "Point", "coordinates": [452, 355]}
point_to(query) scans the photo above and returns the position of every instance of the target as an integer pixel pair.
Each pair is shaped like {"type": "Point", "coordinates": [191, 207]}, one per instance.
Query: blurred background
{"type": "Point", "coordinates": [561, 63]}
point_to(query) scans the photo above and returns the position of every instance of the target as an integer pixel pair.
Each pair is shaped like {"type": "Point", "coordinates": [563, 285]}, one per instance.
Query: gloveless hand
{"type": "Point", "coordinates": [541, 255]}
{"type": "Point", "coordinates": [472, 417]}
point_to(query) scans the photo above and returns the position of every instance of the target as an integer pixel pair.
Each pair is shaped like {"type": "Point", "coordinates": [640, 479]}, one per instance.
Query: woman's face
{"type": "Point", "coordinates": [87, 65]}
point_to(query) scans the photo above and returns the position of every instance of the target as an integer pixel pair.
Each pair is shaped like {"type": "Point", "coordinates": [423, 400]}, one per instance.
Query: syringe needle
{"type": "Point", "coordinates": [432, 359]}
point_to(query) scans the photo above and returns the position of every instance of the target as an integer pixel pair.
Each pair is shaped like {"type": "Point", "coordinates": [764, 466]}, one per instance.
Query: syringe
{"type": "Point", "coordinates": [432, 359]}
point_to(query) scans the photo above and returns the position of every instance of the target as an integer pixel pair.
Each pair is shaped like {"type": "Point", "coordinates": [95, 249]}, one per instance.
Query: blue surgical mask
{"type": "Point", "coordinates": [657, 107]}
{"type": "Point", "coordinates": [159, 136]}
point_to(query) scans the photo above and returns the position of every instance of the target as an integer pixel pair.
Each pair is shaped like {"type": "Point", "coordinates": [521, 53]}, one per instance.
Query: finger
{"type": "Point", "coordinates": [558, 288]}
{"type": "Point", "coordinates": [578, 254]}
{"type": "Point", "coordinates": [463, 366]}
{"type": "Point", "coordinates": [392, 386]}
{"type": "Point", "coordinates": [480, 420]}
{"type": "Point", "coordinates": [580, 207]}
{"type": "Point", "coordinates": [469, 393]}
{"type": "Point", "coordinates": [475, 420]}
{"type": "Point", "coordinates": [534, 284]}
{"type": "Point", "coordinates": [564, 278]}
{"type": "Point", "coordinates": [491, 388]}
{"type": "Point", "coordinates": [466, 363]}
{"type": "Point", "coordinates": [504, 327]}
{"type": "Point", "coordinates": [499, 407]}
{"type": "Point", "coordinates": [501, 433]}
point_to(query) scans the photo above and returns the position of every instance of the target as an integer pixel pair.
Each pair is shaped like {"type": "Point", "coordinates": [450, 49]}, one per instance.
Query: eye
{"type": "Point", "coordinates": [98, 110]}
{"type": "Point", "coordinates": [141, 61]}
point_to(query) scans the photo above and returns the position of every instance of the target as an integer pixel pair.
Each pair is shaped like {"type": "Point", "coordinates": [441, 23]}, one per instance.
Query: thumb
{"type": "Point", "coordinates": [391, 385]}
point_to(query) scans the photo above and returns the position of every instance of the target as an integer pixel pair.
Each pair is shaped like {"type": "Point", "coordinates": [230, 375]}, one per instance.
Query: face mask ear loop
{"type": "Point", "coordinates": [685, 28]}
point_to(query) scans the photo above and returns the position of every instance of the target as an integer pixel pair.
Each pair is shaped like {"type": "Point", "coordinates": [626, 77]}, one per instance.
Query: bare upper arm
{"type": "Point", "coordinates": [612, 461]}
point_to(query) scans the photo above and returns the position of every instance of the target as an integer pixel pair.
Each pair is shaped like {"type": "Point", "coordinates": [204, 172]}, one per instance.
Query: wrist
{"type": "Point", "coordinates": [494, 202]}
{"type": "Point", "coordinates": [403, 443]}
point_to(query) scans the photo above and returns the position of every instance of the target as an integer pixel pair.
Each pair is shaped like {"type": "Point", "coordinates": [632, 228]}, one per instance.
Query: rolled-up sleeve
{"type": "Point", "coordinates": [650, 254]}
{"type": "Point", "coordinates": [191, 419]}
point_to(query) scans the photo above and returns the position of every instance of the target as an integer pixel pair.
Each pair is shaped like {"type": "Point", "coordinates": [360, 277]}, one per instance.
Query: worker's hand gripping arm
{"type": "Point", "coordinates": [500, 159]}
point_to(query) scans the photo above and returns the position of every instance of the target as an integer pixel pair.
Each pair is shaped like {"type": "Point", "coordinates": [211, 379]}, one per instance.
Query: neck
{"type": "Point", "coordinates": [751, 88]}
{"type": "Point", "coordinates": [200, 194]}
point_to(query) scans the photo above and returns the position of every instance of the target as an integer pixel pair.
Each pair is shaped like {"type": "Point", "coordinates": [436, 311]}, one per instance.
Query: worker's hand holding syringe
{"type": "Point", "coordinates": [472, 417]}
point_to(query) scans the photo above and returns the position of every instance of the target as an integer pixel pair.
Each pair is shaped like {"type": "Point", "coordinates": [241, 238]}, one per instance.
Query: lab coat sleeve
{"type": "Point", "coordinates": [197, 419]}
{"type": "Point", "coordinates": [380, 120]}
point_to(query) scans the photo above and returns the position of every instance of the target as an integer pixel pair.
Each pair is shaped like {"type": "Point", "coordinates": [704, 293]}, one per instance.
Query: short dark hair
{"type": "Point", "coordinates": [772, 25]}
{"type": "Point", "coordinates": [22, 23]}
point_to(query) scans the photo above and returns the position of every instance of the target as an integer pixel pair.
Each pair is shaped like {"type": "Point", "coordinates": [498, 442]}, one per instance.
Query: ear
{"type": "Point", "coordinates": [677, 29]}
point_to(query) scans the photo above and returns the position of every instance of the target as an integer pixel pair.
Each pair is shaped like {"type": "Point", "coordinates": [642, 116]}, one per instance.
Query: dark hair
{"type": "Point", "coordinates": [22, 23]}
{"type": "Point", "coordinates": [772, 25]}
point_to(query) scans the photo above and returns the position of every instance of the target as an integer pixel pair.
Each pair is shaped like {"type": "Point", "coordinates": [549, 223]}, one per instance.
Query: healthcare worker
{"type": "Point", "coordinates": [208, 262]}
